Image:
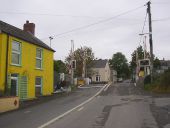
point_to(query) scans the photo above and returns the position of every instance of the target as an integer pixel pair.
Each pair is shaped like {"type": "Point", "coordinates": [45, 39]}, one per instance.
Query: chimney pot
{"type": "Point", "coordinates": [29, 27]}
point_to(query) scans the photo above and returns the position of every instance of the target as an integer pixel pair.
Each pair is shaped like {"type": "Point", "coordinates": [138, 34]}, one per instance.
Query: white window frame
{"type": "Point", "coordinates": [38, 58]}
{"type": "Point", "coordinates": [97, 78]}
{"type": "Point", "coordinates": [16, 52]}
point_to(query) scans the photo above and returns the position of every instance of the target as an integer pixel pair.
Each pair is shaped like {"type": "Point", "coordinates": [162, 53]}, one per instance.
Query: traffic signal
{"type": "Point", "coordinates": [73, 64]}
{"type": "Point", "coordinates": [144, 62]}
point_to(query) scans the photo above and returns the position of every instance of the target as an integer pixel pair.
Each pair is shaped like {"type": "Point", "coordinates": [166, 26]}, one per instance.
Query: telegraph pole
{"type": "Point", "coordinates": [150, 38]}
{"type": "Point", "coordinates": [72, 58]}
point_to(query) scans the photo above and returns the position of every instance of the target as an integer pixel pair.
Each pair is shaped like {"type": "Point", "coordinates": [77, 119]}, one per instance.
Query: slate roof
{"type": "Point", "coordinates": [23, 35]}
{"type": "Point", "coordinates": [99, 63]}
{"type": "Point", "coordinates": [165, 63]}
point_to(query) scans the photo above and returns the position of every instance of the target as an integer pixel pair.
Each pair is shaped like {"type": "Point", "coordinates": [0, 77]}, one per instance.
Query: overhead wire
{"type": "Point", "coordinates": [48, 14]}
{"type": "Point", "coordinates": [144, 24]}
{"type": "Point", "coordinates": [96, 23]}
{"type": "Point", "coordinates": [163, 19]}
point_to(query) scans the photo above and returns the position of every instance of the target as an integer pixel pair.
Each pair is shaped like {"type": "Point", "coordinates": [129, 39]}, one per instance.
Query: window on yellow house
{"type": "Point", "coordinates": [16, 53]}
{"type": "Point", "coordinates": [38, 85]}
{"type": "Point", "coordinates": [39, 58]}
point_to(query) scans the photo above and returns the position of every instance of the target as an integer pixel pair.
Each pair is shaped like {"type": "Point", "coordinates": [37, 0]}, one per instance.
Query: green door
{"type": "Point", "coordinates": [14, 85]}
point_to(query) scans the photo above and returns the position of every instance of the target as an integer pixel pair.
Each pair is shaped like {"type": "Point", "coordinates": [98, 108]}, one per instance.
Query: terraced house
{"type": "Point", "coordinates": [26, 63]}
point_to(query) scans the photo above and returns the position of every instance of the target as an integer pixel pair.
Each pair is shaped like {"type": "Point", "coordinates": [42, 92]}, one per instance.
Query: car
{"type": "Point", "coordinates": [119, 79]}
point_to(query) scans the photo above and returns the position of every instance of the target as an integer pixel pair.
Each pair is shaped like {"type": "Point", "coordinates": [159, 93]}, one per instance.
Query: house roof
{"type": "Point", "coordinates": [165, 63]}
{"type": "Point", "coordinates": [99, 63]}
{"type": "Point", "coordinates": [26, 36]}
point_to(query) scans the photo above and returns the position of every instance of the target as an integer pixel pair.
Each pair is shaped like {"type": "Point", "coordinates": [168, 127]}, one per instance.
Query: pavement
{"type": "Point", "coordinates": [121, 105]}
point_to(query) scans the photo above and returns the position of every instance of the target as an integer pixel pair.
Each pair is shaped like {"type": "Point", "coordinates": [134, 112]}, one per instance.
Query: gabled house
{"type": "Point", "coordinates": [100, 71]}
{"type": "Point", "coordinates": [26, 63]}
{"type": "Point", "coordinates": [164, 65]}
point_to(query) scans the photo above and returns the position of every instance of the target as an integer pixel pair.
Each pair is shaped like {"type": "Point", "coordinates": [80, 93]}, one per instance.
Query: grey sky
{"type": "Point", "coordinates": [120, 34]}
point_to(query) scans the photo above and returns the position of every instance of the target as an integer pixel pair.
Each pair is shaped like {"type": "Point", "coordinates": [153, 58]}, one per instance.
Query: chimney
{"type": "Point", "coordinates": [29, 27]}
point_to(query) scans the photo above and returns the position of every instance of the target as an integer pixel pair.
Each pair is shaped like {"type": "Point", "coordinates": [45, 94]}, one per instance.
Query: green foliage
{"type": "Point", "coordinates": [139, 52]}
{"type": "Point", "coordinates": [165, 79]}
{"type": "Point", "coordinates": [148, 87]}
{"type": "Point", "coordinates": [156, 63]}
{"type": "Point", "coordinates": [59, 66]}
{"type": "Point", "coordinates": [160, 83]}
{"type": "Point", "coordinates": [147, 80]}
{"type": "Point", "coordinates": [73, 87]}
{"type": "Point", "coordinates": [119, 63]}
{"type": "Point", "coordinates": [81, 54]}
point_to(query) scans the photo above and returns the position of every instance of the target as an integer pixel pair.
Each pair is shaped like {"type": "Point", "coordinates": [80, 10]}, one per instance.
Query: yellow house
{"type": "Point", "coordinates": [26, 63]}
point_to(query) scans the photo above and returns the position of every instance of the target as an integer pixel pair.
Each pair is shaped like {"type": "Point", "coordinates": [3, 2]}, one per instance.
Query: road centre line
{"type": "Point", "coordinates": [69, 111]}
{"type": "Point", "coordinates": [106, 87]}
{"type": "Point", "coordinates": [80, 109]}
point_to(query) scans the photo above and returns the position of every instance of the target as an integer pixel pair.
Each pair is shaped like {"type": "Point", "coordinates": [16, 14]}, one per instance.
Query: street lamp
{"type": "Point", "coordinates": [50, 40]}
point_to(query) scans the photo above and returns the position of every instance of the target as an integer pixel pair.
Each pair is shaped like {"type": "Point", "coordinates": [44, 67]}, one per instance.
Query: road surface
{"type": "Point", "coordinates": [121, 105]}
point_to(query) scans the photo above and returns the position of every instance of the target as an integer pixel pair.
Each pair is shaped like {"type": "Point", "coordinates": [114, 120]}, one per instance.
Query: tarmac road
{"type": "Point", "coordinates": [37, 114]}
{"type": "Point", "coordinates": [121, 105]}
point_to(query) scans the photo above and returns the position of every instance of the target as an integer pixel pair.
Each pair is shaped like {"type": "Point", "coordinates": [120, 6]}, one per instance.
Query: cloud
{"type": "Point", "coordinates": [120, 34]}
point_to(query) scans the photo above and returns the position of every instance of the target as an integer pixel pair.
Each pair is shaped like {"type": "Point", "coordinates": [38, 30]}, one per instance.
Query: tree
{"type": "Point", "coordinates": [140, 53]}
{"type": "Point", "coordinates": [59, 66]}
{"type": "Point", "coordinates": [81, 54]}
{"type": "Point", "coordinates": [156, 63]}
{"type": "Point", "coordinates": [119, 63]}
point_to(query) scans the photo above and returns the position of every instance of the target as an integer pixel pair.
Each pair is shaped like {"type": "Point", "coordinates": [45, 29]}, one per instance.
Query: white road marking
{"type": "Point", "coordinates": [27, 112]}
{"type": "Point", "coordinates": [106, 87]}
{"type": "Point", "coordinates": [135, 84]}
{"type": "Point", "coordinates": [80, 109]}
{"type": "Point", "coordinates": [73, 109]}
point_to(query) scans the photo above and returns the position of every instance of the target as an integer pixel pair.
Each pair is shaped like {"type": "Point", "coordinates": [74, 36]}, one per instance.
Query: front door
{"type": "Point", "coordinates": [14, 84]}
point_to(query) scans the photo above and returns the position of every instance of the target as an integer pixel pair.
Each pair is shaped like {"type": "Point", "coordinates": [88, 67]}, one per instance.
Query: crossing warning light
{"type": "Point", "coordinates": [73, 65]}
{"type": "Point", "coordinates": [144, 62]}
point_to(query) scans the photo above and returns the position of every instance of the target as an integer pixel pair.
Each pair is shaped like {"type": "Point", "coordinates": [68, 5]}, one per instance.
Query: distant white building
{"type": "Point", "coordinates": [101, 71]}
{"type": "Point", "coordinates": [164, 65]}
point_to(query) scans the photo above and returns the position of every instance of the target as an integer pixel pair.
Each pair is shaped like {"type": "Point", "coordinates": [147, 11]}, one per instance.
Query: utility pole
{"type": "Point", "coordinates": [84, 64]}
{"type": "Point", "coordinates": [150, 39]}
{"type": "Point", "coordinates": [137, 66]}
{"type": "Point", "coordinates": [72, 58]}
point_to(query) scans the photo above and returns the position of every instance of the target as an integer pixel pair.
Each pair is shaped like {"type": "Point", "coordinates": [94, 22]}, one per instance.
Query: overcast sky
{"type": "Point", "coordinates": [121, 34]}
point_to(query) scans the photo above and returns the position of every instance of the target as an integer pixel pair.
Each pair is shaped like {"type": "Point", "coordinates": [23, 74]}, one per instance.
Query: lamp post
{"type": "Point", "coordinates": [50, 40]}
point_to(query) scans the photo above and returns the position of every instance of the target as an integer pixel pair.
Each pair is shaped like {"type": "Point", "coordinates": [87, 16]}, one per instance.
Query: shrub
{"type": "Point", "coordinates": [147, 80]}
{"type": "Point", "coordinates": [161, 82]}
{"type": "Point", "coordinates": [165, 79]}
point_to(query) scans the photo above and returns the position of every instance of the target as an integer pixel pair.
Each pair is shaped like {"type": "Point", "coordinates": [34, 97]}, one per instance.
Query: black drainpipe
{"type": "Point", "coordinates": [6, 72]}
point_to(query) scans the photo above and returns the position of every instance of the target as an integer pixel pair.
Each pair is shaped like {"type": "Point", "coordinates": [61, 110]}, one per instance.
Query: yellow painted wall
{"type": "Point", "coordinates": [28, 66]}
{"type": "Point", "coordinates": [3, 39]}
